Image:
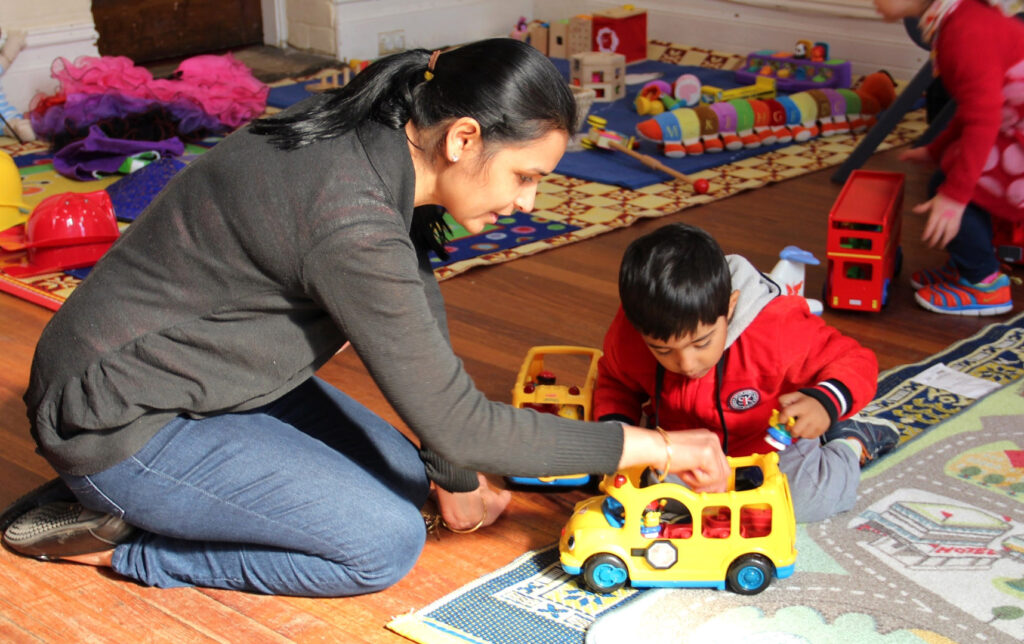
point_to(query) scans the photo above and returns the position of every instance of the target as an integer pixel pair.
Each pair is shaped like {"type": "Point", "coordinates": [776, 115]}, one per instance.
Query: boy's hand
{"type": "Point", "coordinates": [944, 216]}
{"type": "Point", "coordinates": [811, 417]}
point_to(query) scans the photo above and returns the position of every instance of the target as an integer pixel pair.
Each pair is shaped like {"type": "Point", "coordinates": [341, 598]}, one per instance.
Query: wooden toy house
{"type": "Point", "coordinates": [603, 72]}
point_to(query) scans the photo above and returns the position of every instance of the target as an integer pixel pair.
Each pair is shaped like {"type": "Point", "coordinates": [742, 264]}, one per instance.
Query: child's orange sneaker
{"type": "Point", "coordinates": [963, 298]}
{"type": "Point", "coordinates": [948, 272]}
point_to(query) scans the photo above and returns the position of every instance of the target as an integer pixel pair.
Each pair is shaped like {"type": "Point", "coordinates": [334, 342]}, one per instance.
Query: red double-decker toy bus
{"type": "Point", "coordinates": [864, 241]}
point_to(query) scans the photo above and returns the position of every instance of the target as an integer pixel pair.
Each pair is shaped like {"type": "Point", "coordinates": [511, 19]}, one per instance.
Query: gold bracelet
{"type": "Point", "coordinates": [478, 525]}
{"type": "Point", "coordinates": [668, 453]}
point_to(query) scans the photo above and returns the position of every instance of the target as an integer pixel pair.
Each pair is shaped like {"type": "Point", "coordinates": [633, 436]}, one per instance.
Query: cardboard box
{"type": "Point", "coordinates": [537, 35]}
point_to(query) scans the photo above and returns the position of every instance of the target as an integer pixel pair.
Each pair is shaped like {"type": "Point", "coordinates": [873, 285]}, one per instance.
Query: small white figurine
{"type": "Point", "coordinates": [788, 273]}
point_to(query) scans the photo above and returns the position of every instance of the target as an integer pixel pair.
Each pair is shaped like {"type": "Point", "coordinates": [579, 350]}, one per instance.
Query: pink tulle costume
{"type": "Point", "coordinates": [215, 93]}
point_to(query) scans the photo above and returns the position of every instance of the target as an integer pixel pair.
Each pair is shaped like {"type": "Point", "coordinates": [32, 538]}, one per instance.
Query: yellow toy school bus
{"type": "Point", "coordinates": [650, 533]}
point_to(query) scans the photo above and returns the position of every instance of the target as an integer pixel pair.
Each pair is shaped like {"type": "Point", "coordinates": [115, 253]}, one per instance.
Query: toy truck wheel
{"type": "Point", "coordinates": [749, 574]}
{"type": "Point", "coordinates": [605, 573]}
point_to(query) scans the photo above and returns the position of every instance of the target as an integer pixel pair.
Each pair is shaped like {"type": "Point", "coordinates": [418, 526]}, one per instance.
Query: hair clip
{"type": "Point", "coordinates": [429, 74]}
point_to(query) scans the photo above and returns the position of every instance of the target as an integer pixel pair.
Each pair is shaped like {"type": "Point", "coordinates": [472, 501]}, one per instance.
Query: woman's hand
{"type": "Point", "coordinates": [916, 155]}
{"type": "Point", "coordinates": [811, 417]}
{"type": "Point", "coordinates": [703, 465]}
{"type": "Point", "coordinates": [467, 511]}
{"type": "Point", "coordinates": [696, 455]}
{"type": "Point", "coordinates": [944, 217]}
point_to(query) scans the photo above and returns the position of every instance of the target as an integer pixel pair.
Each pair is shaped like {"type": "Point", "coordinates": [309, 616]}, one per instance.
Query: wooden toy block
{"type": "Point", "coordinates": [623, 31]}
{"type": "Point", "coordinates": [580, 35]}
{"type": "Point", "coordinates": [537, 35]}
{"type": "Point", "coordinates": [558, 39]}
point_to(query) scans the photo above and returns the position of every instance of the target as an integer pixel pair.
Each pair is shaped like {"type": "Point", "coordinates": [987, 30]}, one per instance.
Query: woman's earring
{"type": "Point", "coordinates": [455, 158]}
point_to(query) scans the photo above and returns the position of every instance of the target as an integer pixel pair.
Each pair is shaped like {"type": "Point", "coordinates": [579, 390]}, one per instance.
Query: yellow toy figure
{"type": "Point", "coordinates": [13, 209]}
{"type": "Point", "coordinates": [13, 121]}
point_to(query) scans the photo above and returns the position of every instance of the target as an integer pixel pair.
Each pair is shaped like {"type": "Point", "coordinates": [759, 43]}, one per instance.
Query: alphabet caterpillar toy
{"type": "Point", "coordinates": [752, 122]}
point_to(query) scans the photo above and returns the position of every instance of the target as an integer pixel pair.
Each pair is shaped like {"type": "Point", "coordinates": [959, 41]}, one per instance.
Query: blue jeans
{"type": "Point", "coordinates": [311, 495]}
{"type": "Point", "coordinates": [971, 249]}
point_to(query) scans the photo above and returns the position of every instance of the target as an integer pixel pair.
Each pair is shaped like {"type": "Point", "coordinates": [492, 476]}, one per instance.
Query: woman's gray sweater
{"type": "Point", "coordinates": [246, 274]}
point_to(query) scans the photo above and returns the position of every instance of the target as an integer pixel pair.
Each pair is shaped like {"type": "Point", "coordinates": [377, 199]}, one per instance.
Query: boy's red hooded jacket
{"type": "Point", "coordinates": [774, 346]}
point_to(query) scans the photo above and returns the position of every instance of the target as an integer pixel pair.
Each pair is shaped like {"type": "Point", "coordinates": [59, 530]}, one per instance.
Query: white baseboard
{"type": "Point", "coordinates": [30, 72]}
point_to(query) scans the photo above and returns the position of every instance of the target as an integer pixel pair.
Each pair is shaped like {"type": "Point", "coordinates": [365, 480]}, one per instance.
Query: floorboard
{"type": "Point", "coordinates": [563, 296]}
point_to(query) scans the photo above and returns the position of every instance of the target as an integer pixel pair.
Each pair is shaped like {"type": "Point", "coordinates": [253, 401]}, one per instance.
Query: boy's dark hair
{"type": "Point", "coordinates": [672, 280]}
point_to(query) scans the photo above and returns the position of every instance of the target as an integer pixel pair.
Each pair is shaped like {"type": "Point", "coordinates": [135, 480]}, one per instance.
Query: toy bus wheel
{"type": "Point", "coordinates": [605, 573]}
{"type": "Point", "coordinates": [749, 574]}
{"type": "Point", "coordinates": [885, 293]}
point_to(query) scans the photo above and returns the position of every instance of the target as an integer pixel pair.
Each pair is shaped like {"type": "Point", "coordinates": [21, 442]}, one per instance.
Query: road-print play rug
{"type": "Point", "coordinates": [933, 552]}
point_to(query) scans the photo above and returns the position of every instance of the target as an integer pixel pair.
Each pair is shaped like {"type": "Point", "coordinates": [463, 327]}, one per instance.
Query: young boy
{"type": "Point", "coordinates": [705, 341]}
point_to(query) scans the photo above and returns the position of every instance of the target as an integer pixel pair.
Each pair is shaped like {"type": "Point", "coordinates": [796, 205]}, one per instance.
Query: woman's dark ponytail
{"type": "Point", "coordinates": [510, 88]}
{"type": "Point", "coordinates": [382, 92]}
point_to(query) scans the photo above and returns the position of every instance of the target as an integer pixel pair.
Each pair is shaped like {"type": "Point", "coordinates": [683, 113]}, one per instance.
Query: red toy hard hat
{"type": "Point", "coordinates": [69, 230]}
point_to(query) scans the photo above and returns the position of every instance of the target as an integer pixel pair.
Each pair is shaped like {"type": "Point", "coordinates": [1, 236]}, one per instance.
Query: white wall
{"type": "Point", "coordinates": [426, 23]}
{"type": "Point", "coordinates": [311, 25]}
{"type": "Point", "coordinates": [53, 28]}
{"type": "Point", "coordinates": [850, 27]}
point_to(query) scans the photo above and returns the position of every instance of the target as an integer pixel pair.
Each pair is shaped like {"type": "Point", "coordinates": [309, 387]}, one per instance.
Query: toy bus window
{"type": "Point", "coordinates": [850, 225]}
{"type": "Point", "coordinates": [748, 477]}
{"type": "Point", "coordinates": [613, 512]}
{"type": "Point", "coordinates": [755, 520]}
{"type": "Point", "coordinates": [855, 243]}
{"type": "Point", "coordinates": [674, 520]}
{"type": "Point", "coordinates": [858, 271]}
{"type": "Point", "coordinates": [715, 522]}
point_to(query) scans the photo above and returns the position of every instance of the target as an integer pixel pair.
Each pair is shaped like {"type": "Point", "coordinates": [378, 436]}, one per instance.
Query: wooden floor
{"type": "Point", "coordinates": [564, 296]}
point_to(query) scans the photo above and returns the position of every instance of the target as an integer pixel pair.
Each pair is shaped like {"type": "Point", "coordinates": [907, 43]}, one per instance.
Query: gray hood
{"type": "Point", "coordinates": [756, 290]}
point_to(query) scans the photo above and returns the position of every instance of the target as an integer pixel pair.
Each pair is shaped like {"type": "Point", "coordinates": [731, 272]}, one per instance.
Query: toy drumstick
{"type": "Point", "coordinates": [602, 138]}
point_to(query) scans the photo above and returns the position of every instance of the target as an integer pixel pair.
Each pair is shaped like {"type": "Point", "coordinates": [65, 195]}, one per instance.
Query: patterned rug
{"type": "Point", "coordinates": [567, 210]}
{"type": "Point", "coordinates": [933, 552]}
{"type": "Point", "coordinates": [586, 208]}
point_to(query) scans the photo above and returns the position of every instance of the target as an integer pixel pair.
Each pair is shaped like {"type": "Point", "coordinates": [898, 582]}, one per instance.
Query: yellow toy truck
{"type": "Point", "coordinates": [651, 533]}
{"type": "Point", "coordinates": [538, 388]}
